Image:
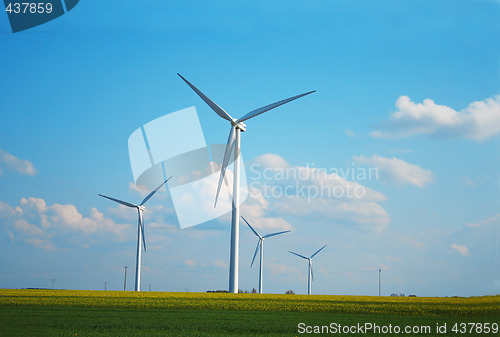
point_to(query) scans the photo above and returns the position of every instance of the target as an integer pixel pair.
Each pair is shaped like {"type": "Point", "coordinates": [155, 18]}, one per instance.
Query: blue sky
{"type": "Point", "coordinates": [407, 87]}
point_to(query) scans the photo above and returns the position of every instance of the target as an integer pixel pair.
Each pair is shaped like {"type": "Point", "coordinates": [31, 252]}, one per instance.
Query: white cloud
{"type": "Point", "coordinates": [220, 264]}
{"type": "Point", "coordinates": [44, 244]}
{"type": "Point", "coordinates": [396, 170]}
{"type": "Point", "coordinates": [283, 269]}
{"type": "Point", "coordinates": [33, 204]}
{"type": "Point", "coordinates": [67, 215]}
{"type": "Point", "coordinates": [480, 120]}
{"type": "Point", "coordinates": [141, 190]}
{"type": "Point", "coordinates": [468, 181]}
{"type": "Point", "coordinates": [25, 227]}
{"type": "Point", "coordinates": [6, 211]}
{"type": "Point", "coordinates": [123, 212]}
{"type": "Point", "coordinates": [280, 188]}
{"type": "Point", "coordinates": [12, 163]}
{"type": "Point", "coordinates": [355, 278]}
{"type": "Point", "coordinates": [271, 160]}
{"type": "Point", "coordinates": [393, 258]}
{"type": "Point", "coordinates": [272, 223]}
{"type": "Point", "coordinates": [189, 263]}
{"type": "Point", "coordinates": [257, 212]}
{"type": "Point", "coordinates": [460, 249]}
{"type": "Point", "coordinates": [33, 222]}
{"type": "Point", "coordinates": [488, 222]}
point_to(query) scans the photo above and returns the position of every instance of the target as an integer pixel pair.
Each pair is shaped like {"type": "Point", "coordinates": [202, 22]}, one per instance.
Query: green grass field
{"type": "Point", "coordinates": [117, 313]}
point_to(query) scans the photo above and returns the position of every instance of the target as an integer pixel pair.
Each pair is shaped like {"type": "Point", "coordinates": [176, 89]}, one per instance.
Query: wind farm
{"type": "Point", "coordinates": [331, 162]}
{"type": "Point", "coordinates": [233, 146]}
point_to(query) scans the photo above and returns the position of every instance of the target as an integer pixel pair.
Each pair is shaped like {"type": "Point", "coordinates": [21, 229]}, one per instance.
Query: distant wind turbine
{"type": "Point", "coordinates": [260, 245]}
{"type": "Point", "coordinates": [310, 271]}
{"type": "Point", "coordinates": [233, 142]}
{"type": "Point", "coordinates": [140, 232]}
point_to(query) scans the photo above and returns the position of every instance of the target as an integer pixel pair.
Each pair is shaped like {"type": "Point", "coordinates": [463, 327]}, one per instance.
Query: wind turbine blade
{"type": "Point", "coordinates": [119, 201]}
{"type": "Point", "coordinates": [312, 273]}
{"type": "Point", "coordinates": [253, 230]}
{"type": "Point", "coordinates": [256, 250]}
{"type": "Point", "coordinates": [225, 161]}
{"type": "Point", "coordinates": [141, 223]}
{"type": "Point", "coordinates": [273, 234]}
{"type": "Point", "coordinates": [259, 111]}
{"type": "Point", "coordinates": [318, 251]}
{"type": "Point", "coordinates": [218, 110]}
{"type": "Point", "coordinates": [299, 255]}
{"type": "Point", "coordinates": [152, 193]}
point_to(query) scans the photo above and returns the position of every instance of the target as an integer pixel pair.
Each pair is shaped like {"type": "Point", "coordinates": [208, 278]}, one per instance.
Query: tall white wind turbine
{"type": "Point", "coordinates": [140, 231]}
{"type": "Point", "coordinates": [310, 270]}
{"type": "Point", "coordinates": [233, 142]}
{"type": "Point", "coordinates": [260, 245]}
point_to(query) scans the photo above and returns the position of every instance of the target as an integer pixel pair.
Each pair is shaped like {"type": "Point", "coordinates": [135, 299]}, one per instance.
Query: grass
{"type": "Point", "coordinates": [99, 313]}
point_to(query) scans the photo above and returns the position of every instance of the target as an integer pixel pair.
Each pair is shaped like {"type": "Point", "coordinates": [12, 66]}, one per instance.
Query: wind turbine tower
{"type": "Point", "coordinates": [310, 275]}
{"type": "Point", "coordinates": [379, 279]}
{"type": "Point", "coordinates": [260, 245]}
{"type": "Point", "coordinates": [125, 279]}
{"type": "Point", "coordinates": [233, 143]}
{"type": "Point", "coordinates": [140, 233]}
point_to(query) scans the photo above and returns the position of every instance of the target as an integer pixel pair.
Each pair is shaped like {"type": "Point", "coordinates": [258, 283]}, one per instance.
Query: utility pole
{"type": "Point", "coordinates": [53, 279]}
{"type": "Point", "coordinates": [125, 281]}
{"type": "Point", "coordinates": [379, 272]}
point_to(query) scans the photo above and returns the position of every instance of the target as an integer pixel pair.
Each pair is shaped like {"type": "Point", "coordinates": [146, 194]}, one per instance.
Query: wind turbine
{"type": "Point", "coordinates": [233, 142]}
{"type": "Point", "coordinates": [310, 274]}
{"type": "Point", "coordinates": [140, 232]}
{"type": "Point", "coordinates": [261, 245]}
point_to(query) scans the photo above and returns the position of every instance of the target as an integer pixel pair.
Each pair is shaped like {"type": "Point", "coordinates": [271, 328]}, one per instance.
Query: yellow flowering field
{"type": "Point", "coordinates": [424, 306]}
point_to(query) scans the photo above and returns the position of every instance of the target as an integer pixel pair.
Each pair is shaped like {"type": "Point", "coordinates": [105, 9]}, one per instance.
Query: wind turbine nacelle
{"type": "Point", "coordinates": [141, 208]}
{"type": "Point", "coordinates": [242, 126]}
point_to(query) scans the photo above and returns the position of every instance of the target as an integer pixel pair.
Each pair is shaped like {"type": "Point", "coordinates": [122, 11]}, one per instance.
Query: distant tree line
{"type": "Point", "coordinates": [402, 295]}
{"type": "Point", "coordinates": [241, 291]}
